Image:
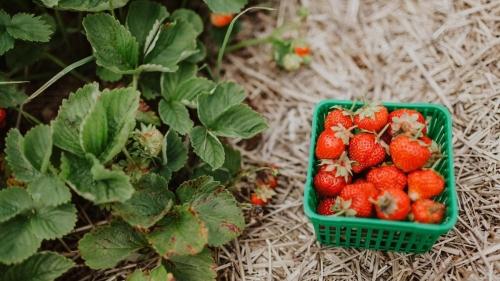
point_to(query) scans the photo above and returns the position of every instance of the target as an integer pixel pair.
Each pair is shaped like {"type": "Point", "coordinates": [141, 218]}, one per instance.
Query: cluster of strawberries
{"type": "Point", "coordinates": [353, 179]}
{"type": "Point", "coordinates": [266, 182]}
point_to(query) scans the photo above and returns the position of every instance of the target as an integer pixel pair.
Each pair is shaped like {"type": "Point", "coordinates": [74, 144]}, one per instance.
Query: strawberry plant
{"type": "Point", "coordinates": [147, 155]}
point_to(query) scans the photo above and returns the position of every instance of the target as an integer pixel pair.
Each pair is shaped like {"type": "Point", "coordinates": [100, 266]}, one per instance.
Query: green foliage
{"type": "Point", "coordinates": [43, 266]}
{"type": "Point", "coordinates": [22, 26]}
{"type": "Point", "coordinates": [160, 192]}
{"type": "Point", "coordinates": [106, 246]}
{"type": "Point", "coordinates": [225, 6]}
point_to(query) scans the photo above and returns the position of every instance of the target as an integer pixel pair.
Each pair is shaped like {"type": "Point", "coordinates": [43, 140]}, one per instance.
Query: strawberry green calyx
{"type": "Point", "coordinates": [343, 208]}
{"type": "Point", "coordinates": [342, 133]}
{"type": "Point", "coordinates": [291, 62]}
{"type": "Point", "coordinates": [341, 166]}
{"type": "Point", "coordinates": [369, 110]}
{"type": "Point", "coordinates": [407, 123]}
{"type": "Point", "coordinates": [265, 193]}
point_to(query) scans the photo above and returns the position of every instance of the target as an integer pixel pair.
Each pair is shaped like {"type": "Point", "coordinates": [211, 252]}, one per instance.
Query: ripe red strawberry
{"type": "Point", "coordinates": [329, 183]}
{"type": "Point", "coordinates": [366, 151]}
{"type": "Point", "coordinates": [3, 117]}
{"type": "Point", "coordinates": [371, 117]}
{"type": "Point", "coordinates": [302, 51]}
{"type": "Point", "coordinates": [424, 184]}
{"type": "Point", "coordinates": [409, 154]}
{"type": "Point", "coordinates": [354, 201]}
{"type": "Point", "coordinates": [256, 200]}
{"type": "Point", "coordinates": [427, 211]}
{"type": "Point", "coordinates": [406, 121]}
{"type": "Point", "coordinates": [369, 188]}
{"type": "Point", "coordinates": [392, 204]}
{"type": "Point", "coordinates": [261, 196]}
{"type": "Point", "coordinates": [221, 20]}
{"type": "Point", "coordinates": [360, 180]}
{"type": "Point", "coordinates": [386, 177]}
{"type": "Point", "coordinates": [326, 207]}
{"type": "Point", "coordinates": [338, 116]}
{"type": "Point", "coordinates": [331, 142]}
{"type": "Point", "coordinates": [268, 178]}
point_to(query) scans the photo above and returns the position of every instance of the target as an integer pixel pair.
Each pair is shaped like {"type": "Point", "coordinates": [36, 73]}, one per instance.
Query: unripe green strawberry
{"type": "Point", "coordinates": [151, 139]}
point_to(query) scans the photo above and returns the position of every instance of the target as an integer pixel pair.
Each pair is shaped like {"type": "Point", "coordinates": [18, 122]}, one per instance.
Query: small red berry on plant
{"type": "Point", "coordinates": [427, 211]}
{"type": "Point", "coordinates": [302, 51]}
{"type": "Point", "coordinates": [221, 20]}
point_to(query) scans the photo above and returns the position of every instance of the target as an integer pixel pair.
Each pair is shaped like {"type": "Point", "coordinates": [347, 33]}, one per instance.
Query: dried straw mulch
{"type": "Point", "coordinates": [431, 51]}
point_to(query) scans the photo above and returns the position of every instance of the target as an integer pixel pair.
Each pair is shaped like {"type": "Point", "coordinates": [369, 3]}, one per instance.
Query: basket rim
{"type": "Point", "coordinates": [373, 222]}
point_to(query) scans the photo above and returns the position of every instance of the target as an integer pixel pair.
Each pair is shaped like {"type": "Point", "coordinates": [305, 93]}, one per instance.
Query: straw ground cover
{"type": "Point", "coordinates": [428, 51]}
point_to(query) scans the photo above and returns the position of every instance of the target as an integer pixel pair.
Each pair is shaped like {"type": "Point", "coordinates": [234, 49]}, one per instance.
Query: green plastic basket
{"type": "Point", "coordinates": [376, 234]}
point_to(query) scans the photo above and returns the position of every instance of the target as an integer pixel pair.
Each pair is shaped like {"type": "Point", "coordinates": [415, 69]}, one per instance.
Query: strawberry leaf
{"type": "Point", "coordinates": [107, 245]}
{"type": "Point", "coordinates": [114, 47]}
{"type": "Point", "coordinates": [179, 233]}
{"type": "Point", "coordinates": [176, 42]}
{"type": "Point", "coordinates": [85, 5]}
{"type": "Point", "coordinates": [53, 222]}
{"type": "Point", "coordinates": [149, 203]}
{"type": "Point", "coordinates": [200, 267]}
{"type": "Point", "coordinates": [190, 17]}
{"type": "Point", "coordinates": [225, 6]}
{"type": "Point", "coordinates": [107, 75]}
{"type": "Point", "coordinates": [176, 115]}
{"type": "Point", "coordinates": [49, 190]}
{"type": "Point", "coordinates": [207, 146]}
{"type": "Point", "coordinates": [91, 180]}
{"type": "Point", "coordinates": [175, 153]}
{"type": "Point", "coordinates": [29, 156]}
{"type": "Point", "coordinates": [18, 240]}
{"type": "Point", "coordinates": [10, 96]}
{"type": "Point", "coordinates": [239, 121]}
{"type": "Point", "coordinates": [43, 266]}
{"type": "Point", "coordinates": [183, 85]}
{"type": "Point", "coordinates": [13, 201]}
{"type": "Point", "coordinates": [142, 17]}
{"type": "Point", "coordinates": [211, 106]}
{"type": "Point", "coordinates": [157, 274]}
{"type": "Point", "coordinates": [195, 188]}
{"type": "Point", "coordinates": [6, 41]}
{"type": "Point", "coordinates": [29, 27]}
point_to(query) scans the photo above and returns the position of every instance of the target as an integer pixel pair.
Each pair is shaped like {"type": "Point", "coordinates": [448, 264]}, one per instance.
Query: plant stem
{"type": "Point", "coordinates": [57, 61]}
{"type": "Point", "coordinates": [29, 116]}
{"type": "Point", "coordinates": [228, 35]}
{"type": "Point", "coordinates": [135, 80]}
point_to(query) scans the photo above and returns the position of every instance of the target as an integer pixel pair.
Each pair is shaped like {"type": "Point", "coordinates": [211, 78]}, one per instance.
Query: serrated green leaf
{"type": "Point", "coordinates": [29, 27]}
{"type": "Point", "coordinates": [175, 153]}
{"type": "Point", "coordinates": [233, 160]}
{"type": "Point", "coordinates": [239, 121]}
{"type": "Point", "coordinates": [25, 54]}
{"type": "Point", "coordinates": [176, 115]}
{"type": "Point", "coordinates": [221, 214]}
{"type": "Point", "coordinates": [10, 96]}
{"type": "Point", "coordinates": [157, 274]}
{"type": "Point", "coordinates": [43, 266]}
{"type": "Point", "coordinates": [94, 132]}
{"type": "Point", "coordinates": [107, 245]}
{"type": "Point", "coordinates": [121, 106]}
{"type": "Point", "coordinates": [176, 42]}
{"type": "Point", "coordinates": [92, 181]}
{"type": "Point", "coordinates": [207, 147]}
{"type": "Point", "coordinates": [49, 190]}
{"type": "Point", "coordinates": [150, 202]}
{"type": "Point", "coordinates": [89, 5]}
{"type": "Point", "coordinates": [211, 106]}
{"type": "Point", "coordinates": [38, 147]}
{"type": "Point", "coordinates": [179, 233]}
{"type": "Point", "coordinates": [114, 47]}
{"type": "Point", "coordinates": [200, 267]}
{"type": "Point", "coordinates": [49, 3]}
{"type": "Point", "coordinates": [108, 75]}
{"type": "Point", "coordinates": [190, 17]}
{"type": "Point", "coordinates": [21, 166]}
{"type": "Point", "coordinates": [53, 222]}
{"type": "Point", "coordinates": [67, 125]}
{"type": "Point", "coordinates": [6, 42]}
{"type": "Point", "coordinates": [142, 17]}
{"type": "Point", "coordinates": [18, 241]}
{"type": "Point", "coordinates": [182, 85]}
{"type": "Point", "coordinates": [225, 6]}
{"type": "Point", "coordinates": [190, 189]}
{"type": "Point", "coordinates": [13, 201]}
{"type": "Point", "coordinates": [231, 166]}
